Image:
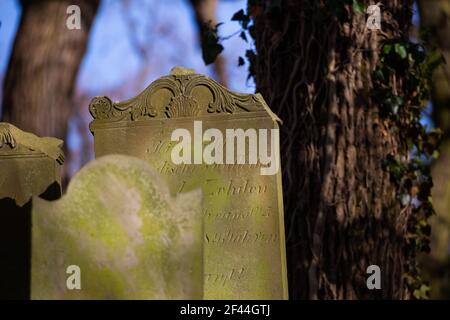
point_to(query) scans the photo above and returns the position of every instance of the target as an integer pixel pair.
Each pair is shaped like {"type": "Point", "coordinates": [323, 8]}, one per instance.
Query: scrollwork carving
{"type": "Point", "coordinates": [182, 103]}
{"type": "Point", "coordinates": [101, 108]}
{"type": "Point", "coordinates": [6, 136]}
{"type": "Point", "coordinates": [182, 106]}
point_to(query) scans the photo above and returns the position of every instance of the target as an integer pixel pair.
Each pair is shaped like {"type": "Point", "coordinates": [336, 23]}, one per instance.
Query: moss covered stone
{"type": "Point", "coordinates": [120, 226]}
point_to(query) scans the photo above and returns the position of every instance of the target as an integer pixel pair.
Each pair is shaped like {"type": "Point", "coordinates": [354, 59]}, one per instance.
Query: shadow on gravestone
{"type": "Point", "coordinates": [29, 166]}
{"type": "Point", "coordinates": [123, 233]}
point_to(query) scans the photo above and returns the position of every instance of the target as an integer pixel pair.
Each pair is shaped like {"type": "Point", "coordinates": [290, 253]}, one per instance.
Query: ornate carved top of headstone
{"type": "Point", "coordinates": [22, 180]}
{"type": "Point", "coordinates": [183, 93]}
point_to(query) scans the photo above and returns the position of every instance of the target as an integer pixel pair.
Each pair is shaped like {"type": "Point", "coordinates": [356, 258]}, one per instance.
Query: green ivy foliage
{"type": "Point", "coordinates": [211, 41]}
{"type": "Point", "coordinates": [211, 46]}
{"type": "Point", "coordinates": [414, 63]}
{"type": "Point", "coordinates": [246, 33]}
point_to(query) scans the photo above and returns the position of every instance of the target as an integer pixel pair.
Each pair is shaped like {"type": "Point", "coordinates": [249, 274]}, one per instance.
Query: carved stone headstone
{"type": "Point", "coordinates": [117, 234]}
{"type": "Point", "coordinates": [29, 166]}
{"type": "Point", "coordinates": [242, 208]}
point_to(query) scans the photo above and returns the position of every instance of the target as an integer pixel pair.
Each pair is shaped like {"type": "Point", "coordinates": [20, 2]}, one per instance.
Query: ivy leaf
{"type": "Point", "coordinates": [378, 75]}
{"type": "Point", "coordinates": [400, 50]}
{"type": "Point", "coordinates": [241, 61]}
{"type": "Point", "coordinates": [405, 199]}
{"type": "Point", "coordinates": [251, 57]}
{"type": "Point", "coordinates": [422, 292]}
{"type": "Point", "coordinates": [357, 7]}
{"type": "Point", "coordinates": [242, 18]}
{"type": "Point", "coordinates": [398, 101]}
{"type": "Point", "coordinates": [387, 48]}
{"type": "Point", "coordinates": [210, 53]}
{"type": "Point", "coordinates": [211, 46]}
{"type": "Point", "coordinates": [252, 31]}
{"type": "Point", "coordinates": [243, 36]}
{"type": "Point", "coordinates": [238, 16]}
{"type": "Point", "coordinates": [393, 104]}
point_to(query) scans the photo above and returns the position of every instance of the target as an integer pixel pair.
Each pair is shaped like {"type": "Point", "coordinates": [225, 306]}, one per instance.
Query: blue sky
{"type": "Point", "coordinates": [9, 18]}
{"type": "Point", "coordinates": [113, 67]}
{"type": "Point", "coordinates": [111, 60]}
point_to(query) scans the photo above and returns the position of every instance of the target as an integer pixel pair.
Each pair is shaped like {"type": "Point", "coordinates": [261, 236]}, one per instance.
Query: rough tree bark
{"type": "Point", "coordinates": [205, 13]}
{"type": "Point", "coordinates": [314, 67]}
{"type": "Point", "coordinates": [435, 14]}
{"type": "Point", "coordinates": [44, 63]}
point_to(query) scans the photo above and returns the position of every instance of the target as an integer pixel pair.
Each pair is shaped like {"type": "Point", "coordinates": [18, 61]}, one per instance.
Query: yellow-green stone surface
{"type": "Point", "coordinates": [242, 209]}
{"type": "Point", "coordinates": [130, 238]}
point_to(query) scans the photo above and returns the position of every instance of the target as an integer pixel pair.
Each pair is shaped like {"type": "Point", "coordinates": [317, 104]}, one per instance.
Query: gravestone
{"type": "Point", "coordinates": [29, 166]}
{"type": "Point", "coordinates": [242, 205]}
{"type": "Point", "coordinates": [117, 234]}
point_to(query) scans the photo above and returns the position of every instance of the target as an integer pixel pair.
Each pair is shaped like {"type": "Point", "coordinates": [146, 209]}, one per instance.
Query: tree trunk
{"type": "Point", "coordinates": [435, 14]}
{"type": "Point", "coordinates": [44, 63]}
{"type": "Point", "coordinates": [314, 67]}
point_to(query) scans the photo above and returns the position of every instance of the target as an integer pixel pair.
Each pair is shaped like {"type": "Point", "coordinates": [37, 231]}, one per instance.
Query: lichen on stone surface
{"type": "Point", "coordinates": [129, 236]}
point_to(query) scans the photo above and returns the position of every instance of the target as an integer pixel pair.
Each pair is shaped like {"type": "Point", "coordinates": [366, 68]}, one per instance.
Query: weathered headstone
{"type": "Point", "coordinates": [242, 208]}
{"type": "Point", "coordinates": [29, 166]}
{"type": "Point", "coordinates": [117, 234]}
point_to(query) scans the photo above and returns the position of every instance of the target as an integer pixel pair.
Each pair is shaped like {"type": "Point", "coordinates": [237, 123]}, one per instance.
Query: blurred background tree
{"type": "Point", "coordinates": [435, 20]}
{"type": "Point", "coordinates": [44, 63]}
